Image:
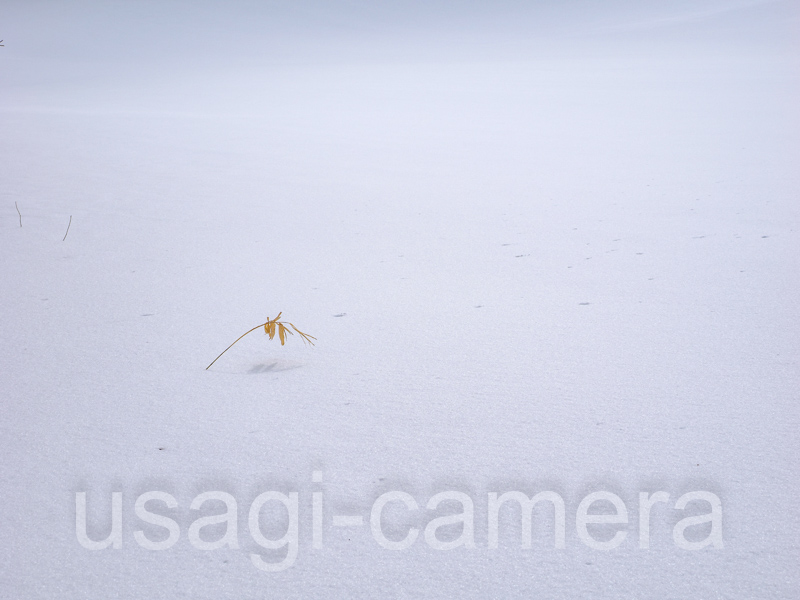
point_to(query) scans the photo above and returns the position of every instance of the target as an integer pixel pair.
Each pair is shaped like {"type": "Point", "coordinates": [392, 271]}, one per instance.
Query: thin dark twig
{"type": "Point", "coordinates": [68, 224]}
{"type": "Point", "coordinates": [15, 203]}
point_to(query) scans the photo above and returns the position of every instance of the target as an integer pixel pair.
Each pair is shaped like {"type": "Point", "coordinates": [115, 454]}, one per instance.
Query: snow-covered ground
{"type": "Point", "coordinates": [542, 247]}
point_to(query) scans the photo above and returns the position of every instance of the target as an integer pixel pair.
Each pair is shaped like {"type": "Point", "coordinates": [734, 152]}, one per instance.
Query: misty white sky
{"type": "Point", "coordinates": [87, 41]}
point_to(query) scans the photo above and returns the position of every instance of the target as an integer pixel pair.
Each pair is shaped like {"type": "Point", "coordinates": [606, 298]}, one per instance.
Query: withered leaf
{"type": "Point", "coordinates": [269, 329]}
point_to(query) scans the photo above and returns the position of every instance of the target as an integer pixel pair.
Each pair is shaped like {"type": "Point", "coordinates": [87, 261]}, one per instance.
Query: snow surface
{"type": "Point", "coordinates": [542, 247]}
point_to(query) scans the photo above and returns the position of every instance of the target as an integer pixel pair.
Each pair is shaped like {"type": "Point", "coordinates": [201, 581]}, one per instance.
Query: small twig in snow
{"type": "Point", "coordinates": [68, 224]}
{"type": "Point", "coordinates": [15, 203]}
{"type": "Point", "coordinates": [269, 329]}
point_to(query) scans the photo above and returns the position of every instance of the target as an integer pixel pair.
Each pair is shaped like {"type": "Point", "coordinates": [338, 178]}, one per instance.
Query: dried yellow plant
{"type": "Point", "coordinates": [270, 328]}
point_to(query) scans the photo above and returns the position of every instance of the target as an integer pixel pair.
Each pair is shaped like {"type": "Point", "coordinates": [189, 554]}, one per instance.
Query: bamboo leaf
{"type": "Point", "coordinates": [282, 333]}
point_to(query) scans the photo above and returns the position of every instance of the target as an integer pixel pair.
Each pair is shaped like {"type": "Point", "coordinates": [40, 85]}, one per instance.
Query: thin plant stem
{"type": "Point", "coordinates": [231, 346]}
{"type": "Point", "coordinates": [68, 224]}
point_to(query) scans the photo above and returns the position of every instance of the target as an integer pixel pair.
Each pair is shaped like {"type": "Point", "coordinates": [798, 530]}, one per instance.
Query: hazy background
{"type": "Point", "coordinates": [213, 58]}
